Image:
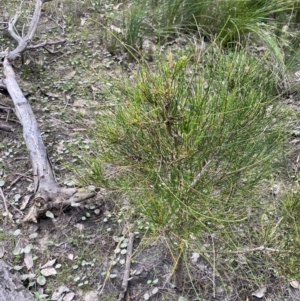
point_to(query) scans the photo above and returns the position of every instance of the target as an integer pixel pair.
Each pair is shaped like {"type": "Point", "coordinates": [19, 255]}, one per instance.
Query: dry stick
{"type": "Point", "coordinates": [214, 267]}
{"type": "Point", "coordinates": [261, 248]}
{"type": "Point", "coordinates": [109, 269]}
{"type": "Point", "coordinates": [5, 108]}
{"type": "Point", "coordinates": [20, 176]}
{"type": "Point", "coordinates": [127, 267]}
{"type": "Point", "coordinates": [55, 59]}
{"type": "Point", "coordinates": [5, 204]}
{"type": "Point", "coordinates": [4, 199]}
{"type": "Point", "coordinates": [46, 43]}
{"type": "Point", "coordinates": [200, 174]}
{"type": "Point", "coordinates": [6, 128]}
{"type": "Point", "coordinates": [11, 26]}
{"type": "Point", "coordinates": [178, 272]}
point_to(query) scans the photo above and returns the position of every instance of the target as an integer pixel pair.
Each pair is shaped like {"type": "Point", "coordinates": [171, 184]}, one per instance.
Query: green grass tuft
{"type": "Point", "coordinates": [230, 22]}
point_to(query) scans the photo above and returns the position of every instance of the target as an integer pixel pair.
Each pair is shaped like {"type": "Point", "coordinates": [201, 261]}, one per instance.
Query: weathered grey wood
{"type": "Point", "coordinates": [6, 127]}
{"type": "Point", "coordinates": [23, 41]}
{"type": "Point", "coordinates": [42, 172]}
{"type": "Point", "coordinates": [127, 267]}
{"type": "Point", "coordinates": [11, 287]}
{"type": "Point", "coordinates": [47, 193]}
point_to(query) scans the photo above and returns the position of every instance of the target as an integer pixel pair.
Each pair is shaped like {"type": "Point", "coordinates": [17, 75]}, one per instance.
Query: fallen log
{"type": "Point", "coordinates": [47, 193]}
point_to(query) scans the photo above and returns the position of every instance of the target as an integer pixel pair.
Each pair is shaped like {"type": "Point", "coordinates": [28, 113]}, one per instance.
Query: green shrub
{"type": "Point", "coordinates": [189, 140]}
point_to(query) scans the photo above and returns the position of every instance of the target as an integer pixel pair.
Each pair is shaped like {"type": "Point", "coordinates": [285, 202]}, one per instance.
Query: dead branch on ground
{"type": "Point", "coordinates": [6, 127]}
{"type": "Point", "coordinates": [127, 267]}
{"type": "Point", "coordinates": [47, 193]}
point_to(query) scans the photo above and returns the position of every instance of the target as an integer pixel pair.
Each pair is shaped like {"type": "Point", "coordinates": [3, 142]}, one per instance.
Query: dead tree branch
{"type": "Point", "coordinates": [45, 44]}
{"type": "Point", "coordinates": [47, 193]}
{"type": "Point", "coordinates": [127, 267]}
{"type": "Point", "coordinates": [42, 45]}
{"type": "Point", "coordinates": [24, 41]}
{"type": "Point", "coordinates": [11, 28]}
{"type": "Point", "coordinates": [32, 135]}
{"type": "Point", "coordinates": [6, 127]}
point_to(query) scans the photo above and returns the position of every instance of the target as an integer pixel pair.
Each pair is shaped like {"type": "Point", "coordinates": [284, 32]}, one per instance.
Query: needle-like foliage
{"type": "Point", "coordinates": [189, 139]}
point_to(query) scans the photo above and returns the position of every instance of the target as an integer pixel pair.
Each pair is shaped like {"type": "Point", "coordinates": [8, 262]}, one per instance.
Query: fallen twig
{"type": "Point", "coordinates": [9, 215]}
{"type": "Point", "coordinates": [242, 251]}
{"type": "Point", "coordinates": [127, 267]}
{"type": "Point", "coordinates": [102, 286]}
{"type": "Point", "coordinates": [5, 108]}
{"type": "Point", "coordinates": [200, 174]}
{"type": "Point", "coordinates": [214, 267]}
{"type": "Point", "coordinates": [44, 44]}
{"type": "Point", "coordinates": [6, 127]}
{"type": "Point", "coordinates": [20, 176]}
